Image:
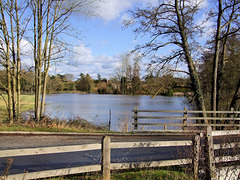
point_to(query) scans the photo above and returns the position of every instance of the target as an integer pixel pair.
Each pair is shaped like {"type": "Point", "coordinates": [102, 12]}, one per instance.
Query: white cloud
{"type": "Point", "coordinates": [207, 24]}
{"type": "Point", "coordinates": [84, 62]}
{"type": "Point", "coordinates": [26, 47]}
{"type": "Point", "coordinates": [109, 10]}
{"type": "Point", "coordinates": [26, 50]}
{"type": "Point", "coordinates": [204, 4]}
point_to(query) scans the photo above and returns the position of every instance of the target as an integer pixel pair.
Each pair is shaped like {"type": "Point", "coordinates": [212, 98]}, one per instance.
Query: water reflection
{"type": "Point", "coordinates": [95, 108]}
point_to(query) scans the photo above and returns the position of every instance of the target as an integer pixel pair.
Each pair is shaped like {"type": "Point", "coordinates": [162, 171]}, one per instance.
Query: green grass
{"type": "Point", "coordinates": [151, 175]}
{"type": "Point", "coordinates": [167, 173]}
{"type": "Point", "coordinates": [27, 102]}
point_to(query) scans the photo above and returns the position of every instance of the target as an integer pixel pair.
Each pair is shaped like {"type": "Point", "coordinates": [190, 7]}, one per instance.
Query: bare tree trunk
{"type": "Point", "coordinates": [38, 55]}
{"type": "Point", "coordinates": [45, 77]}
{"type": "Point", "coordinates": [45, 12]}
{"type": "Point", "coordinates": [223, 53]}
{"type": "Point", "coordinates": [13, 65]}
{"type": "Point", "coordinates": [35, 57]}
{"type": "Point", "coordinates": [192, 69]}
{"type": "Point", "coordinates": [236, 97]}
{"type": "Point", "coordinates": [7, 59]}
{"type": "Point", "coordinates": [18, 63]}
{"type": "Point", "coordinates": [46, 55]}
{"type": "Point", "coordinates": [220, 46]}
{"type": "Point", "coordinates": [9, 87]}
{"type": "Point", "coordinates": [36, 104]}
{"type": "Point", "coordinates": [216, 60]}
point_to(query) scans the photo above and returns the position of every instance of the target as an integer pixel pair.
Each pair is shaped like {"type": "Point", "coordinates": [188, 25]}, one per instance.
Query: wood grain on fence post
{"type": "Point", "coordinates": [185, 118]}
{"type": "Point", "coordinates": [232, 116]}
{"type": "Point", "coordinates": [110, 119]}
{"type": "Point", "coordinates": [136, 118]}
{"type": "Point", "coordinates": [211, 169]}
{"type": "Point", "coordinates": [196, 155]}
{"type": "Point", "coordinates": [106, 158]}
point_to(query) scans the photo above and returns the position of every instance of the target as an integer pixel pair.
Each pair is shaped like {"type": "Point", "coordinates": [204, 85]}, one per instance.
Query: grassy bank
{"type": "Point", "coordinates": [46, 124]}
{"type": "Point", "coordinates": [27, 102]}
{"type": "Point", "coordinates": [42, 128]}
{"type": "Point", "coordinates": [169, 173]}
{"type": "Point", "coordinates": [152, 174]}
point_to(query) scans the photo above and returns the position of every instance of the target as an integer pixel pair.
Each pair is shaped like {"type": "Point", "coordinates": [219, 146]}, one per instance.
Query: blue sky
{"type": "Point", "coordinates": [103, 40]}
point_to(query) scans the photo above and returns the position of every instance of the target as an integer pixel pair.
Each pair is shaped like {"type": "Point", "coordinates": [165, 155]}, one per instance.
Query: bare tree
{"type": "Point", "coordinates": [11, 33]}
{"type": "Point", "coordinates": [227, 25]}
{"type": "Point", "coordinates": [5, 55]}
{"type": "Point", "coordinates": [171, 23]}
{"type": "Point", "coordinates": [50, 22]}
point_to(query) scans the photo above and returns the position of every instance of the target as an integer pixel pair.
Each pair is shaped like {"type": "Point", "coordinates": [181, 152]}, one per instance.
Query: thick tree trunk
{"type": "Point", "coordinates": [38, 57]}
{"type": "Point", "coordinates": [214, 98]}
{"type": "Point", "coordinates": [18, 78]}
{"type": "Point", "coordinates": [13, 76]}
{"type": "Point", "coordinates": [9, 92]}
{"type": "Point", "coordinates": [13, 68]}
{"type": "Point", "coordinates": [47, 56]}
{"type": "Point", "coordinates": [191, 67]}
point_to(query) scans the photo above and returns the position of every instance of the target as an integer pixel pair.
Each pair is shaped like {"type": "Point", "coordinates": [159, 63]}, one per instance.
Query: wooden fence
{"type": "Point", "coordinates": [187, 119]}
{"type": "Point", "coordinates": [106, 146]}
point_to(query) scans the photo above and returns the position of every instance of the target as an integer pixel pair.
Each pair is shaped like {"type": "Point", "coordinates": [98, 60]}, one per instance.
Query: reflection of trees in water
{"type": "Point", "coordinates": [95, 108]}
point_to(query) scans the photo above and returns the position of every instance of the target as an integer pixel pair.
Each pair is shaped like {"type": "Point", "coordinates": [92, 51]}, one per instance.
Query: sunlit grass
{"type": "Point", "coordinates": [42, 128]}
{"type": "Point", "coordinates": [149, 174]}
{"type": "Point", "coordinates": [27, 102]}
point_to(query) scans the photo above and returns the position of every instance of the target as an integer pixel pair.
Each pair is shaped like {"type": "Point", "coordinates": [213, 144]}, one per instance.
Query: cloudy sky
{"type": "Point", "coordinates": [103, 40]}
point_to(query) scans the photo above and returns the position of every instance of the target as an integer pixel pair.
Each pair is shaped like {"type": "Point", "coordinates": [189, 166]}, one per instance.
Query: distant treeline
{"type": "Point", "coordinates": [151, 85]}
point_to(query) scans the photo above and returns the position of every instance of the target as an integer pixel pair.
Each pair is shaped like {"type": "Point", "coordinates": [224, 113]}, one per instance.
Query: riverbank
{"type": "Point", "coordinates": [47, 124]}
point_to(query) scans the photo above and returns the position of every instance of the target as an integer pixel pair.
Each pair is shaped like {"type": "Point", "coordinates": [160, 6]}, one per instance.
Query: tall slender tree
{"type": "Point", "coordinates": [227, 25]}
{"type": "Point", "coordinates": [50, 21]}
{"type": "Point", "coordinates": [5, 55]}
{"type": "Point", "coordinates": [12, 12]}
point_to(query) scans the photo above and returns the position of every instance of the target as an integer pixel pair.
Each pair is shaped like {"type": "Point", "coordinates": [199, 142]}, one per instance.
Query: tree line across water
{"type": "Point", "coordinates": [164, 85]}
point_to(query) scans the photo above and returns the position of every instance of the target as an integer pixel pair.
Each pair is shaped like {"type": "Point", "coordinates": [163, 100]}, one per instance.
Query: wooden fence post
{"type": "Point", "coordinates": [196, 155]}
{"type": "Point", "coordinates": [232, 116]}
{"type": "Point", "coordinates": [210, 165]}
{"type": "Point", "coordinates": [136, 118]}
{"type": "Point", "coordinates": [185, 118]}
{"type": "Point", "coordinates": [110, 119]}
{"type": "Point", "coordinates": [106, 158]}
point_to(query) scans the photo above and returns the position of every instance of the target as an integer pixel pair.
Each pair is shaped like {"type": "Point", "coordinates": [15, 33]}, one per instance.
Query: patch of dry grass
{"type": "Point", "coordinates": [27, 102]}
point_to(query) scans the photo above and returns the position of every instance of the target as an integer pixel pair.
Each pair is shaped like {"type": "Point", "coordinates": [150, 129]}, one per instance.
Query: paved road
{"type": "Point", "coordinates": [74, 159]}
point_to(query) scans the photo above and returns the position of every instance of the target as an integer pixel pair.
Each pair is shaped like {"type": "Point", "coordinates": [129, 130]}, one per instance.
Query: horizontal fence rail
{"type": "Point", "coordinates": [150, 144]}
{"type": "Point", "coordinates": [93, 168]}
{"type": "Point", "coordinates": [106, 146]}
{"type": "Point", "coordinates": [138, 165]}
{"type": "Point", "coordinates": [187, 119]}
{"type": "Point", "coordinates": [54, 173]}
{"type": "Point", "coordinates": [49, 150]}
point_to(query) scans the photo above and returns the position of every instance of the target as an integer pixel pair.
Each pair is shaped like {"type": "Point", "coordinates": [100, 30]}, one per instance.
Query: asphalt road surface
{"type": "Point", "coordinates": [35, 163]}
